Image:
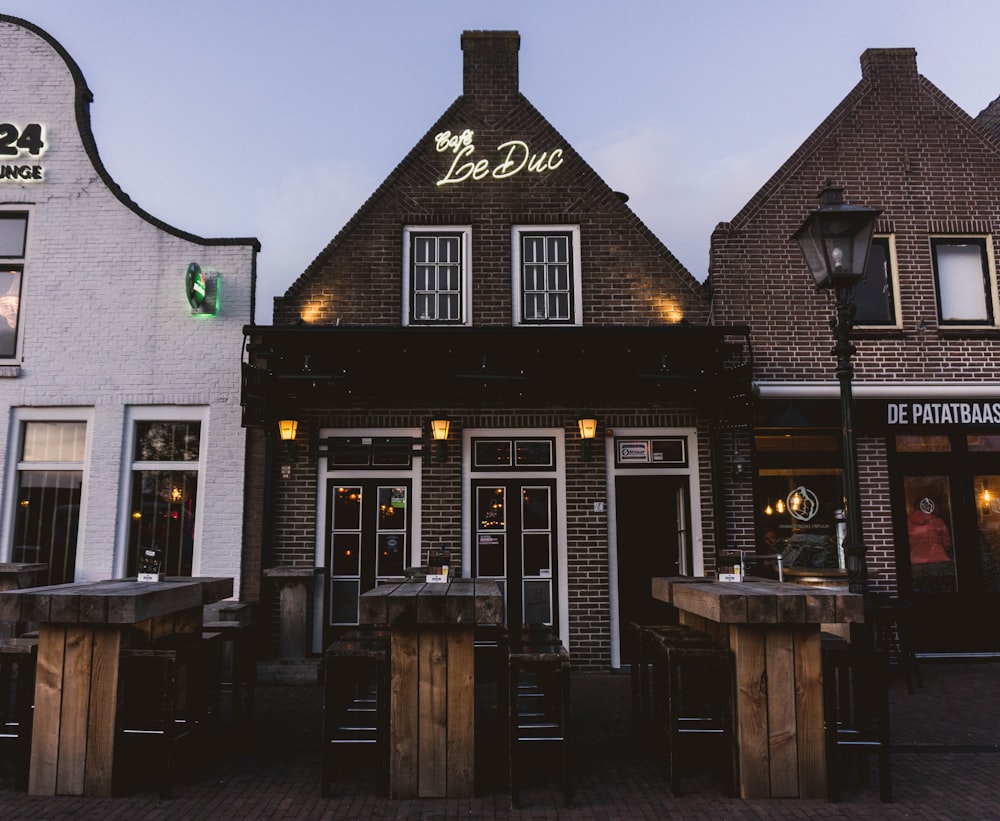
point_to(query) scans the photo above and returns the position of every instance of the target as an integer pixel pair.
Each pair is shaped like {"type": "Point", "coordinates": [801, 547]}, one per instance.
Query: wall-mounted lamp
{"type": "Point", "coordinates": [440, 427]}
{"type": "Point", "coordinates": [287, 430]}
{"type": "Point", "coordinates": [588, 431]}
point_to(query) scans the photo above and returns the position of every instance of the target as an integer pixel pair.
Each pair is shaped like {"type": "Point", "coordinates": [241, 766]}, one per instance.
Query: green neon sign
{"type": "Point", "coordinates": [202, 290]}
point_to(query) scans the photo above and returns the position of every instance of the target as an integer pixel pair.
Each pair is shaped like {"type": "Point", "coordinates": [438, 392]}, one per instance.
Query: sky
{"type": "Point", "coordinates": [277, 120]}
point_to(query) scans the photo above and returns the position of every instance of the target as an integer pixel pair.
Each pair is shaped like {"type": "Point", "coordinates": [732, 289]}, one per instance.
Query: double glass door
{"type": "Point", "coordinates": [515, 544]}
{"type": "Point", "coordinates": [947, 520]}
{"type": "Point", "coordinates": [368, 540]}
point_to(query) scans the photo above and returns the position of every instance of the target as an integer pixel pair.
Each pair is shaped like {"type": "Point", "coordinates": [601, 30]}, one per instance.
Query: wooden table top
{"type": "Point", "coordinates": [460, 601]}
{"type": "Point", "coordinates": [116, 601]}
{"type": "Point", "coordinates": [759, 601]}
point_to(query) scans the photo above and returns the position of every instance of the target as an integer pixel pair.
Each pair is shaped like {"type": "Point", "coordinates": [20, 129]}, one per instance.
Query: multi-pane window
{"type": "Point", "coordinates": [164, 497]}
{"type": "Point", "coordinates": [875, 295]}
{"type": "Point", "coordinates": [49, 490]}
{"type": "Point", "coordinates": [13, 235]}
{"type": "Point", "coordinates": [963, 281]}
{"type": "Point", "coordinates": [436, 273]}
{"type": "Point", "coordinates": [546, 274]}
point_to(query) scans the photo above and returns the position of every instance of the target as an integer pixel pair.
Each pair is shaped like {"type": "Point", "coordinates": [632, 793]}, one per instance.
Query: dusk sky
{"type": "Point", "coordinates": [278, 120]}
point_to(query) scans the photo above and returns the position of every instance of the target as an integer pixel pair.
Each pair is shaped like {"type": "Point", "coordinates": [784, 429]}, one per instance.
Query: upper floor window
{"type": "Point", "coordinates": [964, 281]}
{"type": "Point", "coordinates": [876, 297]}
{"type": "Point", "coordinates": [436, 274]}
{"type": "Point", "coordinates": [13, 241]}
{"type": "Point", "coordinates": [547, 275]}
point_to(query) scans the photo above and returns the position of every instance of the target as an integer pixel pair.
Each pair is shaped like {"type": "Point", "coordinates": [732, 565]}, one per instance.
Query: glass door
{"type": "Point", "coordinates": [515, 544]}
{"type": "Point", "coordinates": [368, 540]}
{"type": "Point", "coordinates": [947, 508]}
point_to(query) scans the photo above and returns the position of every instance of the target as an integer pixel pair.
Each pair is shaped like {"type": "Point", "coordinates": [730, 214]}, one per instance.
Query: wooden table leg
{"type": "Point", "coordinates": [76, 692]}
{"type": "Point", "coordinates": [779, 711]}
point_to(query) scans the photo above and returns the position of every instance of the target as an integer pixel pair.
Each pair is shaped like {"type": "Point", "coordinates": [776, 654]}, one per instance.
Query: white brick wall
{"type": "Point", "coordinates": [107, 325]}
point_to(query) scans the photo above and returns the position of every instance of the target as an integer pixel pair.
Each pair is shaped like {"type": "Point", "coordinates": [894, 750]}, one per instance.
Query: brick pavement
{"type": "Point", "coordinates": [946, 765]}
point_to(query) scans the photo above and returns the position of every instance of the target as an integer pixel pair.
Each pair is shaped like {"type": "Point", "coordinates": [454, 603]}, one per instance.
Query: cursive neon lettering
{"type": "Point", "coordinates": [515, 157]}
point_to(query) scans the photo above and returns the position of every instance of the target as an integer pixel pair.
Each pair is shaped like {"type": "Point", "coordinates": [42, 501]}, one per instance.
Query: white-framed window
{"type": "Point", "coordinates": [162, 487]}
{"type": "Point", "coordinates": [876, 296]}
{"type": "Point", "coordinates": [51, 447]}
{"type": "Point", "coordinates": [546, 275]}
{"type": "Point", "coordinates": [13, 250]}
{"type": "Point", "coordinates": [437, 275]}
{"type": "Point", "coordinates": [964, 280]}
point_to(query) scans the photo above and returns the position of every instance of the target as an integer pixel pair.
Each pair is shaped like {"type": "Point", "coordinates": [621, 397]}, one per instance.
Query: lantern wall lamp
{"type": "Point", "coordinates": [440, 427]}
{"type": "Point", "coordinates": [587, 423]}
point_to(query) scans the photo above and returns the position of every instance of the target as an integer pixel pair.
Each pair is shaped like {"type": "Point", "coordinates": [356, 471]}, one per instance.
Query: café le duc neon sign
{"type": "Point", "coordinates": [514, 157]}
{"type": "Point", "coordinates": [13, 142]}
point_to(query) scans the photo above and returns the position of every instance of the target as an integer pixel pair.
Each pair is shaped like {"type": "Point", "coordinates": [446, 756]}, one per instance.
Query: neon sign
{"type": "Point", "coordinates": [515, 157]}
{"type": "Point", "coordinates": [13, 142]}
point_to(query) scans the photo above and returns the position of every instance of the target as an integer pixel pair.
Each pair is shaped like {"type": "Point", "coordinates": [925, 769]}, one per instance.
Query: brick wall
{"type": "Point", "coordinates": [897, 143]}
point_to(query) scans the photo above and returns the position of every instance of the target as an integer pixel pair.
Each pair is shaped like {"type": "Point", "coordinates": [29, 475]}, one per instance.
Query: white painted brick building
{"type": "Point", "coordinates": [119, 404]}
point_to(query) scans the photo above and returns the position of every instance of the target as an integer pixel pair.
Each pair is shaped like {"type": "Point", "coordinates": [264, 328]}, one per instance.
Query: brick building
{"type": "Point", "coordinates": [926, 382]}
{"type": "Point", "coordinates": [119, 390]}
{"type": "Point", "coordinates": [495, 280]}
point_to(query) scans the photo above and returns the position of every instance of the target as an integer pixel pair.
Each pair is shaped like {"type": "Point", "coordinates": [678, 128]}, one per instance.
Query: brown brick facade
{"type": "Point", "coordinates": [627, 279]}
{"type": "Point", "coordinates": [898, 144]}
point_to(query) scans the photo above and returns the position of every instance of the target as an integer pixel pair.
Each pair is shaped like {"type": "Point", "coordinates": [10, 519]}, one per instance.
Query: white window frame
{"type": "Point", "coordinates": [14, 445]}
{"type": "Point", "coordinates": [576, 307]}
{"type": "Point", "coordinates": [991, 300]}
{"type": "Point", "coordinates": [896, 322]}
{"type": "Point", "coordinates": [465, 299]}
{"type": "Point", "coordinates": [129, 466]}
{"type": "Point", "coordinates": [23, 262]}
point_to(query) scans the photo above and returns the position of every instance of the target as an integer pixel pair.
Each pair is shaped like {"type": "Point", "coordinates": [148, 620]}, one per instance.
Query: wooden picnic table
{"type": "Point", "coordinates": [773, 629]}
{"type": "Point", "coordinates": [432, 691]}
{"type": "Point", "coordinates": [82, 629]}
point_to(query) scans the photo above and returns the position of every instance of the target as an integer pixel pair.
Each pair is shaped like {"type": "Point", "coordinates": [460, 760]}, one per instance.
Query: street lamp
{"type": "Point", "coordinates": [835, 241]}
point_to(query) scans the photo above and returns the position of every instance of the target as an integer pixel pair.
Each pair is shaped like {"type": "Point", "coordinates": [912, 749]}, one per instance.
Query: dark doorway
{"type": "Point", "coordinates": [652, 536]}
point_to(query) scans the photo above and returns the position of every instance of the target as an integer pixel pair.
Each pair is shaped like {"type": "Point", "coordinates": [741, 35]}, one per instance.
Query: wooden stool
{"type": "Point", "coordinates": [693, 683]}
{"type": "Point", "coordinates": [18, 660]}
{"type": "Point", "coordinates": [643, 673]}
{"type": "Point", "coordinates": [856, 706]}
{"type": "Point", "coordinates": [239, 668]}
{"type": "Point", "coordinates": [538, 678]}
{"type": "Point", "coordinates": [356, 705]}
{"type": "Point", "coordinates": [490, 648]}
{"type": "Point", "coordinates": [892, 621]}
{"type": "Point", "coordinates": [161, 702]}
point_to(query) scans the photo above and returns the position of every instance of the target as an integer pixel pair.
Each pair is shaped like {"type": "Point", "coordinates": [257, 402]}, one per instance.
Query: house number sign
{"type": "Point", "coordinates": [513, 157]}
{"type": "Point", "coordinates": [14, 142]}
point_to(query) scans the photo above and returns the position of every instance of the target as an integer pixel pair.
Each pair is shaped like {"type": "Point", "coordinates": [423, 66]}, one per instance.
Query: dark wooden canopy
{"type": "Point", "coordinates": [292, 369]}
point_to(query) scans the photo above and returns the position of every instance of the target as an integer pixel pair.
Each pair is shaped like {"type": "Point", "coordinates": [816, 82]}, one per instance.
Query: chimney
{"type": "Point", "coordinates": [490, 66]}
{"type": "Point", "coordinates": [877, 62]}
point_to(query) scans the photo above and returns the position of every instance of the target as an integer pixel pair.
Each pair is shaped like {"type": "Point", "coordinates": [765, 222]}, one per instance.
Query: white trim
{"type": "Point", "coordinates": [158, 413]}
{"type": "Point", "coordinates": [692, 471]}
{"type": "Point", "coordinates": [515, 255]}
{"type": "Point", "coordinates": [877, 389]}
{"type": "Point", "coordinates": [558, 473]}
{"type": "Point", "coordinates": [15, 438]}
{"type": "Point", "coordinates": [466, 253]}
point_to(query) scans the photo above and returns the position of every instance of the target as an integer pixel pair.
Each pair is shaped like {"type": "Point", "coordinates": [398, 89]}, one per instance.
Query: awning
{"type": "Point", "coordinates": [305, 367]}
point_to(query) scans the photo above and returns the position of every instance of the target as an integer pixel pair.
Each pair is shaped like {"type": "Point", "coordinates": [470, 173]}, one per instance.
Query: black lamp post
{"type": "Point", "coordinates": [835, 241]}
